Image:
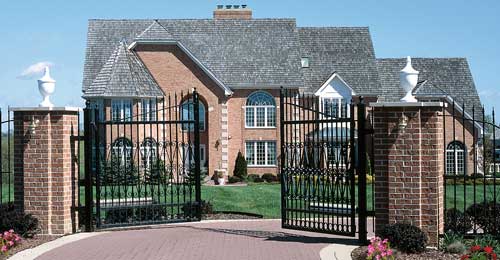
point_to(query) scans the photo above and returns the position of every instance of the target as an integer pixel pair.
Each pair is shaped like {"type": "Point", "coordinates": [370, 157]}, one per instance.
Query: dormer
{"type": "Point", "coordinates": [335, 96]}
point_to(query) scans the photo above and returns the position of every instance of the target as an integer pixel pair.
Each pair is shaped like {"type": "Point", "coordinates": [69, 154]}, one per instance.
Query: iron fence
{"type": "Point", "coordinates": [6, 158]}
{"type": "Point", "coordinates": [323, 165]}
{"type": "Point", "coordinates": [142, 161]}
{"type": "Point", "coordinates": [471, 151]}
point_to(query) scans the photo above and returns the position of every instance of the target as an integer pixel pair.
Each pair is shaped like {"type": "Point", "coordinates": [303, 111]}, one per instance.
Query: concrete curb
{"type": "Point", "coordinates": [35, 252]}
{"type": "Point", "coordinates": [336, 252]}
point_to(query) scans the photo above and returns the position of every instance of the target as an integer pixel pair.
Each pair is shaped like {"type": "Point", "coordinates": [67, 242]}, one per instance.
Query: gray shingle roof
{"type": "Point", "coordinates": [443, 76]}
{"type": "Point", "coordinates": [266, 53]}
{"type": "Point", "coordinates": [155, 32]}
{"type": "Point", "coordinates": [257, 52]}
{"type": "Point", "coordinates": [345, 50]}
{"type": "Point", "coordinates": [123, 75]}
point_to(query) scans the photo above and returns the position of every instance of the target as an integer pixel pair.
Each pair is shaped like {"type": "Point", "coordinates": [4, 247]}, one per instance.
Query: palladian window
{"type": "Point", "coordinates": [260, 110]}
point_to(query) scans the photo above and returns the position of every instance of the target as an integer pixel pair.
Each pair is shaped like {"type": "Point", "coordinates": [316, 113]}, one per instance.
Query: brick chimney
{"type": "Point", "coordinates": [233, 12]}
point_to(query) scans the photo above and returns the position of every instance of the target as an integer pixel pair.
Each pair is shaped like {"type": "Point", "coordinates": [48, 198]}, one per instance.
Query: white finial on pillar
{"type": "Point", "coordinates": [46, 86]}
{"type": "Point", "coordinates": [408, 79]}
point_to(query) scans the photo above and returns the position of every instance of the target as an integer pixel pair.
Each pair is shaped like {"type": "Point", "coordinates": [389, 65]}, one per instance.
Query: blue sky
{"type": "Point", "coordinates": [55, 31]}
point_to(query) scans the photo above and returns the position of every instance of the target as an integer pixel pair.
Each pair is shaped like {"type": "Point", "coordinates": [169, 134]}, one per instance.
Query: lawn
{"type": "Point", "coordinates": [263, 199]}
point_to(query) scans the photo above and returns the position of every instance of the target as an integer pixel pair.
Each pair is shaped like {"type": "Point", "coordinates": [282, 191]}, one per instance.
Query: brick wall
{"type": "Point", "coordinates": [45, 167]}
{"type": "Point", "coordinates": [409, 168]}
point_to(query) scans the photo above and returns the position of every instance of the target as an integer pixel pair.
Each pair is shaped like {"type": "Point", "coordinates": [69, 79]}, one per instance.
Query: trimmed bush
{"type": "Point", "coordinates": [24, 224]}
{"type": "Point", "coordinates": [457, 222]}
{"type": "Point", "coordinates": [405, 237]}
{"type": "Point", "coordinates": [269, 177]}
{"type": "Point", "coordinates": [483, 214]}
{"type": "Point", "coordinates": [189, 209]}
{"type": "Point", "coordinates": [254, 178]}
{"type": "Point", "coordinates": [240, 167]}
{"type": "Point", "coordinates": [234, 179]}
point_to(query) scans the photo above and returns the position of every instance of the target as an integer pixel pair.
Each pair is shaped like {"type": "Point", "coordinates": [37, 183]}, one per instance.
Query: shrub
{"type": "Point", "coordinates": [234, 179]}
{"type": "Point", "coordinates": [157, 173]}
{"type": "Point", "coordinates": [240, 167]}
{"type": "Point", "coordinates": [455, 248]}
{"type": "Point", "coordinates": [25, 224]}
{"type": "Point", "coordinates": [452, 243]}
{"type": "Point", "coordinates": [114, 172]}
{"type": "Point", "coordinates": [483, 214]}
{"type": "Point", "coordinates": [379, 249]}
{"type": "Point", "coordinates": [8, 240]}
{"type": "Point", "coordinates": [457, 222]}
{"type": "Point", "coordinates": [254, 178]}
{"type": "Point", "coordinates": [189, 209]}
{"type": "Point", "coordinates": [269, 177]}
{"type": "Point", "coordinates": [405, 237]}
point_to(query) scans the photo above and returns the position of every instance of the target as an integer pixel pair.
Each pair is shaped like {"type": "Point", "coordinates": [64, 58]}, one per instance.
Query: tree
{"type": "Point", "coordinates": [240, 168]}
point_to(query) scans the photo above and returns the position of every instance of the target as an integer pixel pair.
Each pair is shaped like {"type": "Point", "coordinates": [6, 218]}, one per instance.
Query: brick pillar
{"type": "Point", "coordinates": [45, 167]}
{"type": "Point", "coordinates": [409, 166]}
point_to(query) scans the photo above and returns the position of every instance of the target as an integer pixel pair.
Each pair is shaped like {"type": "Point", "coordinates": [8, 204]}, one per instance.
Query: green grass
{"type": "Point", "coordinates": [263, 199]}
{"type": "Point", "coordinates": [467, 199]}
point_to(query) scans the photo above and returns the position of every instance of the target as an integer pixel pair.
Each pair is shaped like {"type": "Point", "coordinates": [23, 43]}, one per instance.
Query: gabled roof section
{"type": "Point", "coordinates": [155, 32]}
{"type": "Point", "coordinates": [345, 50]}
{"type": "Point", "coordinates": [123, 75]}
{"type": "Point", "coordinates": [442, 76]}
{"type": "Point", "coordinates": [241, 53]}
{"type": "Point", "coordinates": [329, 80]}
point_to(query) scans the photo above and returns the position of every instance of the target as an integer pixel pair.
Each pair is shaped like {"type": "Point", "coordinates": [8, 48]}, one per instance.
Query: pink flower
{"type": "Point", "coordinates": [11, 243]}
{"type": "Point", "coordinates": [4, 249]}
{"type": "Point", "coordinates": [11, 231]}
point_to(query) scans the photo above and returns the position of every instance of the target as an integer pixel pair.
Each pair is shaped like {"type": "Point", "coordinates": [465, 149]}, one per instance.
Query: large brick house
{"type": "Point", "coordinates": [238, 64]}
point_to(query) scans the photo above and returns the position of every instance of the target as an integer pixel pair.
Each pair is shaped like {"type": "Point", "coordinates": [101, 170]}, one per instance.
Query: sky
{"type": "Point", "coordinates": [54, 31]}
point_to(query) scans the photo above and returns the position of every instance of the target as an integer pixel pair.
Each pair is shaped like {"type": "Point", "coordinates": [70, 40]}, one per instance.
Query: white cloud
{"type": "Point", "coordinates": [35, 70]}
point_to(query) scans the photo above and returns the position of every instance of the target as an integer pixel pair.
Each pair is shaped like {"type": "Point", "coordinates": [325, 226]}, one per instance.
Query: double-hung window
{"type": "Point", "coordinates": [260, 110]}
{"type": "Point", "coordinates": [187, 114]}
{"type": "Point", "coordinates": [334, 107]}
{"type": "Point", "coordinates": [121, 110]}
{"type": "Point", "coordinates": [260, 153]}
{"type": "Point", "coordinates": [149, 109]}
{"type": "Point", "coordinates": [97, 108]}
{"type": "Point", "coordinates": [455, 158]}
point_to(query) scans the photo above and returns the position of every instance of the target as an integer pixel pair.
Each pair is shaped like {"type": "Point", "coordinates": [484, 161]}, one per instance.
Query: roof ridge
{"type": "Point", "coordinates": [155, 31]}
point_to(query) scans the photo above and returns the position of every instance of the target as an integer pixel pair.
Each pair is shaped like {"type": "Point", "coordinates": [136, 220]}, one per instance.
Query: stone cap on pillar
{"type": "Point", "coordinates": [42, 109]}
{"type": "Point", "coordinates": [408, 104]}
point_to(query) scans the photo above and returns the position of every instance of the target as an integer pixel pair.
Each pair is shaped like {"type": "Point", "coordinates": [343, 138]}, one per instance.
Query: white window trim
{"type": "Point", "coordinates": [255, 117]}
{"type": "Point", "coordinates": [266, 154]}
{"type": "Point", "coordinates": [456, 153]}
{"type": "Point", "coordinates": [122, 103]}
{"type": "Point", "coordinates": [339, 106]}
{"type": "Point", "coordinates": [151, 114]}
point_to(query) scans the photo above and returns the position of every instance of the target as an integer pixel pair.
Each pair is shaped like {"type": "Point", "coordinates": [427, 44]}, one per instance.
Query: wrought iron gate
{"type": "Point", "coordinates": [321, 160]}
{"type": "Point", "coordinates": [141, 167]}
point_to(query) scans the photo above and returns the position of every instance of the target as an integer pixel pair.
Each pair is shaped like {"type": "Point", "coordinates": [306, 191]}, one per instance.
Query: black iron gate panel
{"type": "Point", "coordinates": [6, 158]}
{"type": "Point", "coordinates": [142, 164]}
{"type": "Point", "coordinates": [318, 164]}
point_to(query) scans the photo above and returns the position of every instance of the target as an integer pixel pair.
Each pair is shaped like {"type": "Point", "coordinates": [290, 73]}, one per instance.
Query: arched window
{"type": "Point", "coordinates": [260, 110]}
{"type": "Point", "coordinates": [187, 113]}
{"type": "Point", "coordinates": [121, 150]}
{"type": "Point", "coordinates": [148, 152]}
{"type": "Point", "coordinates": [455, 158]}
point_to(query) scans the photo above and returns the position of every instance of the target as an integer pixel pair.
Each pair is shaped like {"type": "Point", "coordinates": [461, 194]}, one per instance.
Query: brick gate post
{"type": "Point", "coordinates": [45, 166]}
{"type": "Point", "coordinates": [409, 165]}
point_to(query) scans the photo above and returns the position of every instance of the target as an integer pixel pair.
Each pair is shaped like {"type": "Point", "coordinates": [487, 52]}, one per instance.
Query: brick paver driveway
{"type": "Point", "coordinates": [233, 240]}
